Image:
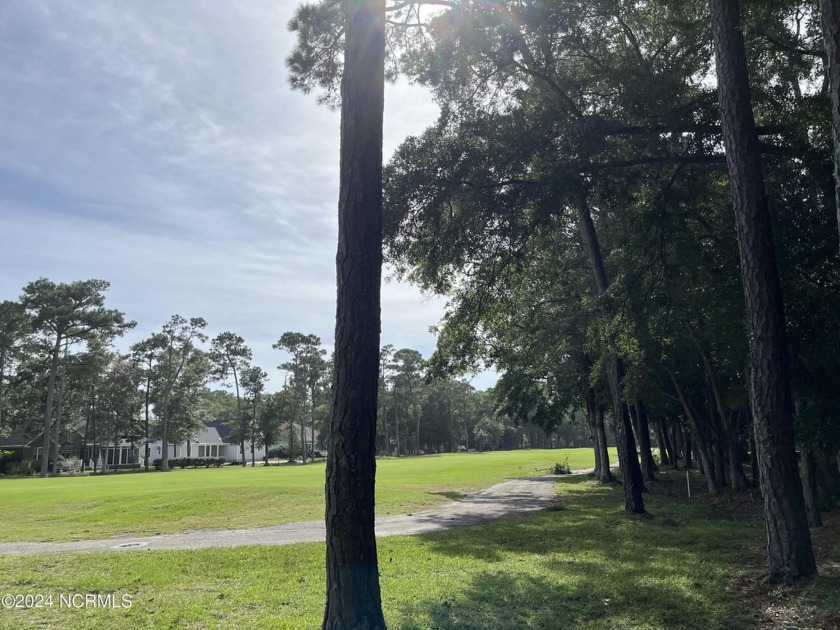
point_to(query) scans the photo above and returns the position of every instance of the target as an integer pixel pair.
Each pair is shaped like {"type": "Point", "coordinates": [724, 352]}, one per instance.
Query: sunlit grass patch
{"type": "Point", "coordinates": [73, 508]}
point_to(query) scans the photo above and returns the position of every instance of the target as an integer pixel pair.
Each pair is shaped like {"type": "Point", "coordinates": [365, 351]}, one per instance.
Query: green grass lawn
{"type": "Point", "coordinates": [587, 565]}
{"type": "Point", "coordinates": [74, 508]}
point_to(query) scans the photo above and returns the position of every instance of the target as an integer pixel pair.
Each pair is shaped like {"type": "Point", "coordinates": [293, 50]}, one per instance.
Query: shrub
{"type": "Point", "coordinates": [7, 458]}
{"type": "Point", "coordinates": [192, 462]}
{"type": "Point", "coordinates": [24, 469]}
{"type": "Point", "coordinates": [278, 452]}
{"type": "Point", "coordinates": [562, 468]}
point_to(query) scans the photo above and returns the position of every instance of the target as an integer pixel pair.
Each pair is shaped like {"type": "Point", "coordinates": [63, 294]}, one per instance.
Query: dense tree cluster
{"type": "Point", "coordinates": [574, 201]}
{"type": "Point", "coordinates": [167, 387]}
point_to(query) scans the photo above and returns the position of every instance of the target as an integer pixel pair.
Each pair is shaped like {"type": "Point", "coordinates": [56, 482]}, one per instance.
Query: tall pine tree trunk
{"type": "Point", "coordinates": [303, 431]}
{"type": "Point", "coordinates": [643, 430]}
{"type": "Point", "coordinates": [353, 596]}
{"type": "Point", "coordinates": [830, 12]}
{"type": "Point", "coordinates": [664, 458]}
{"type": "Point", "coordinates": [606, 475]}
{"type": "Point", "coordinates": [809, 487]}
{"type": "Point", "coordinates": [631, 472]}
{"type": "Point", "coordinates": [146, 419]}
{"type": "Point", "coordinates": [56, 439]}
{"type": "Point", "coordinates": [789, 552]}
{"type": "Point", "coordinates": [48, 411]}
{"type": "Point", "coordinates": [599, 438]}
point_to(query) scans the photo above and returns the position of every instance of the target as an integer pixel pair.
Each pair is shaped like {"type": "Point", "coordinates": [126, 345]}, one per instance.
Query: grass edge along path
{"type": "Point", "coordinates": [62, 509]}
{"type": "Point", "coordinates": [583, 565]}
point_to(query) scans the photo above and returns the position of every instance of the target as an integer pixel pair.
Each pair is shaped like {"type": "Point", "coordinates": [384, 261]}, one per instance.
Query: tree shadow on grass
{"type": "Point", "coordinates": [588, 566]}
{"type": "Point", "coordinates": [454, 496]}
{"type": "Point", "coordinates": [502, 601]}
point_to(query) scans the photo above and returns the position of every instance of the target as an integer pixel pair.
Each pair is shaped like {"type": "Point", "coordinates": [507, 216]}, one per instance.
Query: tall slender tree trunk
{"type": "Point", "coordinates": [146, 419]}
{"type": "Point", "coordinates": [303, 431]}
{"type": "Point", "coordinates": [789, 551]}
{"type": "Point", "coordinates": [664, 459]}
{"type": "Point", "coordinates": [93, 453]}
{"type": "Point", "coordinates": [242, 431]}
{"type": "Point", "coordinates": [312, 423]}
{"type": "Point", "coordinates": [397, 425]}
{"type": "Point", "coordinates": [809, 486]}
{"type": "Point", "coordinates": [631, 472]}
{"type": "Point", "coordinates": [164, 438]}
{"type": "Point", "coordinates": [2, 382]}
{"type": "Point", "coordinates": [353, 596]}
{"type": "Point", "coordinates": [83, 453]}
{"type": "Point", "coordinates": [736, 468]}
{"type": "Point", "coordinates": [648, 465]}
{"type": "Point", "coordinates": [56, 439]}
{"type": "Point", "coordinates": [593, 433]}
{"type": "Point", "coordinates": [670, 446]}
{"type": "Point", "coordinates": [48, 411]}
{"type": "Point", "coordinates": [702, 448]}
{"type": "Point", "coordinates": [116, 446]}
{"type": "Point", "coordinates": [688, 447]}
{"type": "Point", "coordinates": [737, 478]}
{"type": "Point", "coordinates": [830, 13]}
{"type": "Point", "coordinates": [606, 475]}
{"type": "Point", "coordinates": [291, 438]}
{"type": "Point", "coordinates": [716, 439]}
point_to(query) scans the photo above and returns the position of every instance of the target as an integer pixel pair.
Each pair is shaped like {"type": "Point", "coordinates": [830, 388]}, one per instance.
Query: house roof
{"type": "Point", "coordinates": [222, 428]}
{"type": "Point", "coordinates": [209, 435]}
{"type": "Point", "coordinates": [16, 439]}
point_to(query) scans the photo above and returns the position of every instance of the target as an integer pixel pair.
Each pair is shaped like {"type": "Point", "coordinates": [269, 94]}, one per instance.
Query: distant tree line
{"type": "Point", "coordinates": [59, 372]}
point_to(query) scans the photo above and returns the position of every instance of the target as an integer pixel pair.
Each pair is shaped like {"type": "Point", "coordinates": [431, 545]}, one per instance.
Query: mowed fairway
{"type": "Point", "coordinates": [76, 508]}
{"type": "Point", "coordinates": [689, 565]}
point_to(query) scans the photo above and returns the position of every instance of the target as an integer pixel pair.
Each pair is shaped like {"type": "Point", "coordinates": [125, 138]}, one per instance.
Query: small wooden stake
{"type": "Point", "coordinates": [688, 483]}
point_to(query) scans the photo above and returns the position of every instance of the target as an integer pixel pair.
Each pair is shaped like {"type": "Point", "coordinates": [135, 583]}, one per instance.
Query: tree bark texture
{"type": "Point", "coordinates": [606, 475]}
{"type": "Point", "coordinates": [631, 472]}
{"type": "Point", "coordinates": [789, 551]}
{"type": "Point", "coordinates": [809, 487]}
{"type": "Point", "coordinates": [643, 431]}
{"type": "Point", "coordinates": [599, 438]}
{"type": "Point", "coordinates": [593, 434]}
{"type": "Point", "coordinates": [353, 597]}
{"type": "Point", "coordinates": [830, 14]}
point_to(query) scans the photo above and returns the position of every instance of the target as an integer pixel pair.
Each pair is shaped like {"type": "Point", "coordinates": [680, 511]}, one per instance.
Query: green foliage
{"type": "Point", "coordinates": [7, 458]}
{"type": "Point", "coordinates": [192, 462]}
{"type": "Point", "coordinates": [562, 468]}
{"type": "Point", "coordinates": [24, 468]}
{"type": "Point", "coordinates": [277, 452]}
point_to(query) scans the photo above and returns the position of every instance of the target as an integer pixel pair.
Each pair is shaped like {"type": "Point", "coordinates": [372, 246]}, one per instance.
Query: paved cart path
{"type": "Point", "coordinates": [510, 498]}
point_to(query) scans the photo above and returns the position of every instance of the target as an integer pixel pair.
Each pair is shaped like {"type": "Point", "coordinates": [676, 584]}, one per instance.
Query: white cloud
{"type": "Point", "coordinates": [157, 145]}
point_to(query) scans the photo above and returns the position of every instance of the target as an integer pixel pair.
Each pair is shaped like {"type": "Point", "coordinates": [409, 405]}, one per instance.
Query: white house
{"type": "Point", "coordinates": [211, 441]}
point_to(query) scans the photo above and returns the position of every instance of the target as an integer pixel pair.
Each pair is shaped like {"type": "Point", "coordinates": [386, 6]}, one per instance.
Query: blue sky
{"type": "Point", "coordinates": [157, 145]}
